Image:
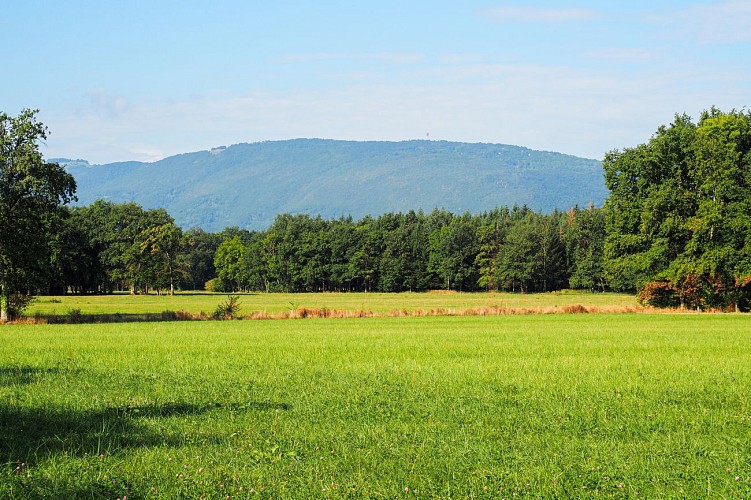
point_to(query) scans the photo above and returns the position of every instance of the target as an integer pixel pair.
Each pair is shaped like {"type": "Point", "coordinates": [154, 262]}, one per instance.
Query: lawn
{"type": "Point", "coordinates": [542, 405]}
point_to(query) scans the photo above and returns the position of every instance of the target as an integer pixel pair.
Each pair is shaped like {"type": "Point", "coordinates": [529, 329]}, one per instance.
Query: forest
{"type": "Point", "coordinates": [106, 247]}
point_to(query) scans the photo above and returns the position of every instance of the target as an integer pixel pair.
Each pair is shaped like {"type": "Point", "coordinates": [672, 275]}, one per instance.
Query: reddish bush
{"type": "Point", "coordinates": [657, 294]}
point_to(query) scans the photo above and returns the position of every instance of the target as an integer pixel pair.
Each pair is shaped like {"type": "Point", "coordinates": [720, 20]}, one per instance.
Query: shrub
{"type": "Point", "coordinates": [228, 309]}
{"type": "Point", "coordinates": [17, 302]}
{"type": "Point", "coordinates": [75, 316]}
{"type": "Point", "coordinates": [168, 316]}
{"type": "Point", "coordinates": [657, 294]}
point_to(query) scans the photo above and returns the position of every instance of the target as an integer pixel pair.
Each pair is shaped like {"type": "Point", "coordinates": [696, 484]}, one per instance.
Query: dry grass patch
{"type": "Point", "coordinates": [302, 312]}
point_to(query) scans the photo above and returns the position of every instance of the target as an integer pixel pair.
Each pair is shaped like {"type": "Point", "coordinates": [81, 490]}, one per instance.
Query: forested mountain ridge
{"type": "Point", "coordinates": [247, 185]}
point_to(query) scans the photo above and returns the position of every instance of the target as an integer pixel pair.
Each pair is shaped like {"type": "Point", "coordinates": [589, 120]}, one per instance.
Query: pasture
{"type": "Point", "coordinates": [276, 303]}
{"type": "Point", "coordinates": [608, 405]}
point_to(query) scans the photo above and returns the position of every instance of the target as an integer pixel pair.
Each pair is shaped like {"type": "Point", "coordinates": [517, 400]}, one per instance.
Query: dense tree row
{"type": "Point", "coordinates": [504, 249]}
{"type": "Point", "coordinates": [108, 247]}
{"type": "Point", "coordinates": [679, 214]}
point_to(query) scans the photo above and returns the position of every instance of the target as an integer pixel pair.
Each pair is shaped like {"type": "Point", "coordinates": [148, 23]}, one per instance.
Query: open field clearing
{"type": "Point", "coordinates": [275, 303]}
{"type": "Point", "coordinates": [546, 405]}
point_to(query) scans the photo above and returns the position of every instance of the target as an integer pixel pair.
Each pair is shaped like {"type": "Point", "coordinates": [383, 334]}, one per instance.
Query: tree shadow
{"type": "Point", "coordinates": [32, 434]}
{"type": "Point", "coordinates": [23, 375]}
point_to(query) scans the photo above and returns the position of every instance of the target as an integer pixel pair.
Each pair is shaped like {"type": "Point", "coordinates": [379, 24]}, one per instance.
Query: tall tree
{"type": "Point", "coordinates": [161, 244]}
{"type": "Point", "coordinates": [651, 198]}
{"type": "Point", "coordinates": [679, 211]}
{"type": "Point", "coordinates": [519, 259]}
{"type": "Point", "coordinates": [453, 251]}
{"type": "Point", "coordinates": [31, 191]}
{"type": "Point", "coordinates": [584, 235]}
{"type": "Point", "coordinates": [490, 237]}
{"type": "Point", "coordinates": [199, 248]}
{"type": "Point", "coordinates": [230, 264]}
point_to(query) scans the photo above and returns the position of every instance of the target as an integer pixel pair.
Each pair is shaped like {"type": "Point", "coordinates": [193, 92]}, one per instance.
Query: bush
{"type": "Point", "coordinates": [228, 309]}
{"type": "Point", "coordinates": [657, 294]}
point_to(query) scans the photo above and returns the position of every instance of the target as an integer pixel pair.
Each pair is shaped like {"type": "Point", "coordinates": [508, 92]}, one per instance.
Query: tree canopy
{"type": "Point", "coordinates": [31, 193]}
{"type": "Point", "coordinates": [679, 213]}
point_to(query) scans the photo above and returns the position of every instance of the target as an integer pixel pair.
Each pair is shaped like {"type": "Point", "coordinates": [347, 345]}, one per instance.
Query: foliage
{"type": "Point", "coordinates": [584, 234]}
{"type": "Point", "coordinates": [679, 210]}
{"type": "Point", "coordinates": [109, 247]}
{"type": "Point", "coordinates": [198, 251]}
{"type": "Point", "coordinates": [657, 294]}
{"type": "Point", "coordinates": [228, 309]}
{"type": "Point", "coordinates": [504, 249]}
{"type": "Point", "coordinates": [31, 193]}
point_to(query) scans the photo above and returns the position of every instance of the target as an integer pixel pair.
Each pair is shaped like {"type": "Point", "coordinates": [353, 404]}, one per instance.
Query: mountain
{"type": "Point", "coordinates": [247, 185]}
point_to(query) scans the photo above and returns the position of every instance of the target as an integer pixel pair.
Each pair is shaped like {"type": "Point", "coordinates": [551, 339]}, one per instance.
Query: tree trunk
{"type": "Point", "coordinates": [171, 277]}
{"type": "Point", "coordinates": [4, 305]}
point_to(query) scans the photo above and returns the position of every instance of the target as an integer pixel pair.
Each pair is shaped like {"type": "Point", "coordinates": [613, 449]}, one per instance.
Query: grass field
{"type": "Point", "coordinates": [381, 303]}
{"type": "Point", "coordinates": [546, 405]}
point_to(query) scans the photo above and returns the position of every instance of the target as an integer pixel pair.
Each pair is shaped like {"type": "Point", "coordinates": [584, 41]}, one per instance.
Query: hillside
{"type": "Point", "coordinates": [247, 185]}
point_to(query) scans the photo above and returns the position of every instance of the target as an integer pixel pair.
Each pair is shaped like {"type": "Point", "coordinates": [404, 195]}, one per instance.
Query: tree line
{"type": "Point", "coordinates": [107, 247]}
{"type": "Point", "coordinates": [512, 249]}
{"type": "Point", "coordinates": [676, 229]}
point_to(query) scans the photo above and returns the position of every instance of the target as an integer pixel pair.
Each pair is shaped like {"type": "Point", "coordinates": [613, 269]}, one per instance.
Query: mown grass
{"type": "Point", "coordinates": [274, 303]}
{"type": "Point", "coordinates": [556, 406]}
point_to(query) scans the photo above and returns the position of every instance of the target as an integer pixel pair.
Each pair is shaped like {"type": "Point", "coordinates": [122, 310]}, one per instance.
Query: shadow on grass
{"type": "Point", "coordinates": [23, 375]}
{"type": "Point", "coordinates": [29, 436]}
{"type": "Point", "coordinates": [33, 434]}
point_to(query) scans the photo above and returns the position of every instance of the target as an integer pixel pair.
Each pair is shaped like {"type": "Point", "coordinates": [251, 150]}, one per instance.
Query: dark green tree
{"type": "Point", "coordinates": [160, 245]}
{"type": "Point", "coordinates": [679, 212]}
{"type": "Point", "coordinates": [651, 198]}
{"type": "Point", "coordinates": [31, 192]}
{"type": "Point", "coordinates": [231, 265]}
{"type": "Point", "coordinates": [519, 262]}
{"type": "Point", "coordinates": [453, 251]}
{"type": "Point", "coordinates": [584, 235]}
{"type": "Point", "coordinates": [198, 252]}
{"type": "Point", "coordinates": [491, 232]}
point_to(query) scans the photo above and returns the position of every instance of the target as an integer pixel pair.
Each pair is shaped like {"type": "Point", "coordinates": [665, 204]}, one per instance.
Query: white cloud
{"type": "Point", "coordinates": [717, 22]}
{"type": "Point", "coordinates": [526, 14]}
{"type": "Point", "coordinates": [566, 109]}
{"type": "Point", "coordinates": [544, 108]}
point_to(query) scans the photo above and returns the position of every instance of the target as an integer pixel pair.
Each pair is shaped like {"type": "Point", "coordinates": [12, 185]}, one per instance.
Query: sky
{"type": "Point", "coordinates": [142, 80]}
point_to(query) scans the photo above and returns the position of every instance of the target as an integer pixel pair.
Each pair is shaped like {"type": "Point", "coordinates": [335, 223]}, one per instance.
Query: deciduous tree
{"type": "Point", "coordinates": [31, 191]}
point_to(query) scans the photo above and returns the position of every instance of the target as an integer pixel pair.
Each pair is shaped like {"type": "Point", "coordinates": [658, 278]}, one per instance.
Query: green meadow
{"type": "Point", "coordinates": [611, 405]}
{"type": "Point", "coordinates": [274, 303]}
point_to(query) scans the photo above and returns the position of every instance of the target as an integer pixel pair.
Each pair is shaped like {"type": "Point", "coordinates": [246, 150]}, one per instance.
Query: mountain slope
{"type": "Point", "coordinates": [247, 185]}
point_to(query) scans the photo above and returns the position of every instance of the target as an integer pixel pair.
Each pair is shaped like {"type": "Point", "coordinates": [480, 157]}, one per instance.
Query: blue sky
{"type": "Point", "coordinates": [141, 80]}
